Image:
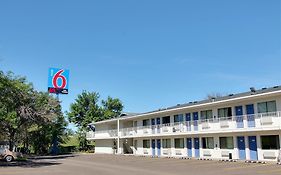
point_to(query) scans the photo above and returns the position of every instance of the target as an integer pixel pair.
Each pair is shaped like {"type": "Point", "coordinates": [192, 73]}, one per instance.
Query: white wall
{"type": "Point", "coordinates": [104, 146]}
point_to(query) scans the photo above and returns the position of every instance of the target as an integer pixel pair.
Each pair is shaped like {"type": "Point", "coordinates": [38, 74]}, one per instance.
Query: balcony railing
{"type": "Point", "coordinates": [102, 134]}
{"type": "Point", "coordinates": [261, 120]}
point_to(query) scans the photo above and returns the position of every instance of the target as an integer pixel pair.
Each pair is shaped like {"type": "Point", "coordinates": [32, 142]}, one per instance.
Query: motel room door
{"type": "Point", "coordinates": [158, 124]}
{"type": "Point", "coordinates": [253, 147]}
{"type": "Point", "coordinates": [158, 147]}
{"type": "Point", "coordinates": [195, 121]}
{"type": "Point", "coordinates": [153, 147]}
{"type": "Point", "coordinates": [189, 147]}
{"type": "Point", "coordinates": [196, 147]}
{"type": "Point", "coordinates": [250, 115]}
{"type": "Point", "coordinates": [241, 147]}
{"type": "Point", "coordinates": [188, 121]}
{"type": "Point", "coordinates": [239, 116]}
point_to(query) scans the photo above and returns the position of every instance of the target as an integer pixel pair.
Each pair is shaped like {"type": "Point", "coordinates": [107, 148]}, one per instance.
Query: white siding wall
{"type": "Point", "coordinates": [104, 146]}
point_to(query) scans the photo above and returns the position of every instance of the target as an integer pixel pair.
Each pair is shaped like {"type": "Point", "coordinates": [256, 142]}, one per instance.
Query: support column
{"type": "Point", "coordinates": [235, 153]}
{"type": "Point", "coordinates": [247, 147]}
{"type": "Point", "coordinates": [118, 138]}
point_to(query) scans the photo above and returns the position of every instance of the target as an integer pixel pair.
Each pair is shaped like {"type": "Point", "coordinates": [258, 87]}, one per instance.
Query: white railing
{"type": "Point", "coordinates": [261, 120]}
{"type": "Point", "coordinates": [102, 134]}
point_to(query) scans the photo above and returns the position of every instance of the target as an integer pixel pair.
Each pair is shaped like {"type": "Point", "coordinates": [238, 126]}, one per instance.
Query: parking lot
{"type": "Point", "coordinates": [90, 164]}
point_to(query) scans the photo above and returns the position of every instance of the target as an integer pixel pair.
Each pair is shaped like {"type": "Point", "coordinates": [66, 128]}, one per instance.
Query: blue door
{"type": "Point", "coordinates": [250, 115]}
{"type": "Point", "coordinates": [241, 147]}
{"type": "Point", "coordinates": [158, 147]}
{"type": "Point", "coordinates": [153, 147]}
{"type": "Point", "coordinates": [153, 125]}
{"type": "Point", "coordinates": [253, 147]}
{"type": "Point", "coordinates": [239, 116]}
{"type": "Point", "coordinates": [196, 147]}
{"type": "Point", "coordinates": [195, 121]}
{"type": "Point", "coordinates": [158, 124]}
{"type": "Point", "coordinates": [188, 121]}
{"type": "Point", "coordinates": [189, 147]}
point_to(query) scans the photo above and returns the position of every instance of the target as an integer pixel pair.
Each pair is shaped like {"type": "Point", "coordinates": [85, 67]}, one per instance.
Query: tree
{"type": "Point", "coordinates": [28, 116]}
{"type": "Point", "coordinates": [111, 108]}
{"type": "Point", "coordinates": [86, 110]}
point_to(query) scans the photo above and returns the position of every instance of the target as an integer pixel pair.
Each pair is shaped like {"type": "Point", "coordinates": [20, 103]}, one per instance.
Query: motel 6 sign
{"type": "Point", "coordinates": [58, 80]}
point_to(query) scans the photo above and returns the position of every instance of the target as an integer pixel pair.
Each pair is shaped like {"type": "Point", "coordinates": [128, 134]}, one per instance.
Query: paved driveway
{"type": "Point", "coordinates": [91, 164]}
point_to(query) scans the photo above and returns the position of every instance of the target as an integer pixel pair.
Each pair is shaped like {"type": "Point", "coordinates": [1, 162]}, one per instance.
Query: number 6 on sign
{"type": "Point", "coordinates": [58, 81]}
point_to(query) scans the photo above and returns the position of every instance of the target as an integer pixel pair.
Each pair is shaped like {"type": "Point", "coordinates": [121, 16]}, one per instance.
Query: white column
{"type": "Point", "coordinates": [259, 150]}
{"type": "Point", "coordinates": [247, 148]}
{"type": "Point", "coordinates": [118, 138]}
{"type": "Point", "coordinates": [235, 153]}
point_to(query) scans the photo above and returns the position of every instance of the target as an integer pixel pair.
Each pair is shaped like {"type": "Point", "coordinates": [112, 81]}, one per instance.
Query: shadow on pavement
{"type": "Point", "coordinates": [52, 157]}
{"type": "Point", "coordinates": [27, 164]}
{"type": "Point", "coordinates": [36, 161]}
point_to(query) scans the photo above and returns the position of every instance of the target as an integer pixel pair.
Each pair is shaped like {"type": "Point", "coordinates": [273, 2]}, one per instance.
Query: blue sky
{"type": "Point", "coordinates": [149, 53]}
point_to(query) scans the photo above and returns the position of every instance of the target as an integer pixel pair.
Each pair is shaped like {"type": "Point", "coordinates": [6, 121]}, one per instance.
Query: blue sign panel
{"type": "Point", "coordinates": [58, 81]}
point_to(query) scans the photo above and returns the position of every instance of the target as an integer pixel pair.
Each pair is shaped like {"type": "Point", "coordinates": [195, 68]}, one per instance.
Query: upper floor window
{"type": "Point", "coordinates": [145, 122]}
{"type": "Point", "coordinates": [224, 112]}
{"type": "Point", "coordinates": [208, 114]}
{"type": "Point", "coordinates": [268, 106]}
{"type": "Point", "coordinates": [178, 118]}
{"type": "Point", "coordinates": [166, 120]}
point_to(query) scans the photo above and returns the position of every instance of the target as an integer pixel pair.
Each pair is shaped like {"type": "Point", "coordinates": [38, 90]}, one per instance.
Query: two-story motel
{"type": "Point", "coordinates": [245, 126]}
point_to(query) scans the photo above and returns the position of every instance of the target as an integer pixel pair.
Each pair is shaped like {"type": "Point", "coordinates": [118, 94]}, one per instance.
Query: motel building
{"type": "Point", "coordinates": [244, 126]}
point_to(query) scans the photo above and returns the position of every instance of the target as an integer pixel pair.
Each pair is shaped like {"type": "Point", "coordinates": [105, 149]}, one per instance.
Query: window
{"type": "Point", "coordinates": [208, 114]}
{"type": "Point", "coordinates": [270, 142]}
{"type": "Point", "coordinates": [166, 120]}
{"type": "Point", "coordinates": [269, 106]}
{"type": "Point", "coordinates": [226, 143]}
{"type": "Point", "coordinates": [145, 122]}
{"type": "Point", "coordinates": [179, 143]}
{"type": "Point", "coordinates": [224, 112]}
{"type": "Point", "coordinates": [178, 118]}
{"type": "Point", "coordinates": [166, 143]}
{"type": "Point", "coordinates": [208, 142]}
{"type": "Point", "coordinates": [146, 143]}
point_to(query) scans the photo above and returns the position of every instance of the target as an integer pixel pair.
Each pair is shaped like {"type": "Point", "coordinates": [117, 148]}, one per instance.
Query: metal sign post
{"type": "Point", "coordinates": [58, 81]}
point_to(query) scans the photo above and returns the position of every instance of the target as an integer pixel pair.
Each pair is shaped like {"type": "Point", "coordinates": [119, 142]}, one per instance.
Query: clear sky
{"type": "Point", "coordinates": [148, 53]}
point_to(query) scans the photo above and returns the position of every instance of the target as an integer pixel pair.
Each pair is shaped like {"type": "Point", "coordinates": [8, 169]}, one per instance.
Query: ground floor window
{"type": "Point", "coordinates": [166, 143]}
{"type": "Point", "coordinates": [270, 142]}
{"type": "Point", "coordinates": [146, 143]}
{"type": "Point", "coordinates": [179, 143]}
{"type": "Point", "coordinates": [207, 142]}
{"type": "Point", "coordinates": [226, 143]}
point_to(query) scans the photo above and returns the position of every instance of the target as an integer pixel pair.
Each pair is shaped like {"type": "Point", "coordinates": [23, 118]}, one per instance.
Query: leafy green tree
{"type": "Point", "coordinates": [27, 116]}
{"type": "Point", "coordinates": [85, 109]}
{"type": "Point", "coordinates": [111, 108]}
